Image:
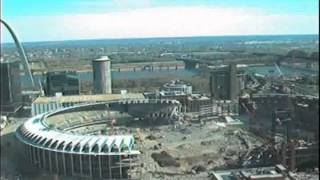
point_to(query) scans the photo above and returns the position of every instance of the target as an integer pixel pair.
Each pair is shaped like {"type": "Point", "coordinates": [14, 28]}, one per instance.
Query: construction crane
{"type": "Point", "coordinates": [250, 107]}
{"type": "Point", "coordinates": [139, 136]}
{"type": "Point", "coordinates": [278, 69]}
{"type": "Point", "coordinates": [281, 118]}
{"type": "Point", "coordinates": [110, 121]}
{"type": "Point", "coordinates": [21, 52]}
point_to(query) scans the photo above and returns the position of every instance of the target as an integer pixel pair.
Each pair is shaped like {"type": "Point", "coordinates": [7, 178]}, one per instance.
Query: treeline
{"type": "Point", "coordinates": [200, 84]}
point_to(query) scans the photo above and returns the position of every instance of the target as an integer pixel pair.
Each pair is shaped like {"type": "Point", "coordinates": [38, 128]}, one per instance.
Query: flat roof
{"type": "Point", "coordinates": [102, 58]}
{"type": "Point", "coordinates": [88, 98]}
{"type": "Point", "coordinates": [7, 61]}
{"type": "Point", "coordinates": [248, 172]}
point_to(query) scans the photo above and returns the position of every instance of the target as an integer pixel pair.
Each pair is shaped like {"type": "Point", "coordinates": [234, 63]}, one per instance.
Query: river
{"type": "Point", "coordinates": [262, 70]}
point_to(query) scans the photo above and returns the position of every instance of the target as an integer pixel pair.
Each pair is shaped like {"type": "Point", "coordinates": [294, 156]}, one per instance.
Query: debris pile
{"type": "Point", "coordinates": [164, 159]}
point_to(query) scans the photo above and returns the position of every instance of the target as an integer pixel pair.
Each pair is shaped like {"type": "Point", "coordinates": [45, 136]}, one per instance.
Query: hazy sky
{"type": "Point", "coordinates": [47, 20]}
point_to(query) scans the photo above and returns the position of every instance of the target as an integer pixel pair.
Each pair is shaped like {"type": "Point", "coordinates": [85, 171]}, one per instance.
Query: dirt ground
{"type": "Point", "coordinates": [197, 148]}
{"type": "Point", "coordinates": [14, 166]}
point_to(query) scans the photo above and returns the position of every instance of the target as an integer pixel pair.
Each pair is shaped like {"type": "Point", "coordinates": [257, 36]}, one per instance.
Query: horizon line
{"type": "Point", "coordinates": [159, 37]}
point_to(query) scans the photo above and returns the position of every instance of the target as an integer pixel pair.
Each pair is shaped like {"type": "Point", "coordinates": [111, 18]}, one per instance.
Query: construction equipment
{"type": "Point", "coordinates": [278, 69]}
{"type": "Point", "coordinates": [281, 118]}
{"type": "Point", "coordinates": [138, 136]}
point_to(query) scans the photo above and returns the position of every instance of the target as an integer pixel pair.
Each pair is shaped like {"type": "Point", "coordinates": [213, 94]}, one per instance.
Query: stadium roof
{"type": "Point", "coordinates": [88, 98]}
{"type": "Point", "coordinates": [35, 132]}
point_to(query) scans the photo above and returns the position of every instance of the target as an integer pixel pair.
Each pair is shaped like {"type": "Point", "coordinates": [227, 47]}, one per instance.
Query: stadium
{"type": "Point", "coordinates": [93, 140]}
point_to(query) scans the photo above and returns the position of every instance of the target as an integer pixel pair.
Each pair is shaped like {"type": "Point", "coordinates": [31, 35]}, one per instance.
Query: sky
{"type": "Point", "coordinates": [53, 20]}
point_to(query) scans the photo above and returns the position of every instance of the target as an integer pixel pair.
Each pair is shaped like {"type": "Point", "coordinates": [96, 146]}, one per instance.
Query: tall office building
{"type": "Point", "coordinates": [234, 82]}
{"type": "Point", "coordinates": [10, 85]}
{"type": "Point", "coordinates": [66, 82]}
{"type": "Point", "coordinates": [224, 83]}
{"type": "Point", "coordinates": [102, 75]}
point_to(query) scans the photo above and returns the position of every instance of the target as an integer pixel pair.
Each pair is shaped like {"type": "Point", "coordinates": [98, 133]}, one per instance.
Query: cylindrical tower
{"type": "Point", "coordinates": [102, 75]}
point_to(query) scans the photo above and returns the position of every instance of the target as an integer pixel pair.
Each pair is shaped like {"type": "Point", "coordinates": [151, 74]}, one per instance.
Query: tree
{"type": "Point", "coordinates": [314, 56]}
{"type": "Point", "coordinates": [296, 53]}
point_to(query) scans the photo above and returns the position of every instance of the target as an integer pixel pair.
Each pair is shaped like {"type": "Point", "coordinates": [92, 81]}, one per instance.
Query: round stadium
{"type": "Point", "coordinates": [93, 140]}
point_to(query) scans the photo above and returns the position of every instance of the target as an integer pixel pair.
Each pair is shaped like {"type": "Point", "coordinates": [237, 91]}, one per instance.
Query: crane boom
{"type": "Point", "coordinates": [278, 69]}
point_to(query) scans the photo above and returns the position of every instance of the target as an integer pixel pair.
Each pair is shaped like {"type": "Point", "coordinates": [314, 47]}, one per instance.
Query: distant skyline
{"type": "Point", "coordinates": [54, 20]}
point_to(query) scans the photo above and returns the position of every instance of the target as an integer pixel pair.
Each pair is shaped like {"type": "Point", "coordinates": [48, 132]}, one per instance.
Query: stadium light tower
{"type": "Point", "coordinates": [21, 52]}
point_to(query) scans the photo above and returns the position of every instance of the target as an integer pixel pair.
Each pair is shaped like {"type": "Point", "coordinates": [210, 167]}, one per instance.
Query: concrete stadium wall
{"type": "Point", "coordinates": [93, 156]}
{"type": "Point", "coordinates": [80, 165]}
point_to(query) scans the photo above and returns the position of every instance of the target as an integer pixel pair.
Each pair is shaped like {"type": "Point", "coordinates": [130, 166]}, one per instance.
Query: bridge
{"type": "Point", "coordinates": [192, 62]}
{"type": "Point", "coordinates": [271, 96]}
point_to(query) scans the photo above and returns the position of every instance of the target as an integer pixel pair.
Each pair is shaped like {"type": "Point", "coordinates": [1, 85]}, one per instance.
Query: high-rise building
{"type": "Point", "coordinates": [66, 82]}
{"type": "Point", "coordinates": [10, 85]}
{"type": "Point", "coordinates": [224, 82]}
{"type": "Point", "coordinates": [102, 75]}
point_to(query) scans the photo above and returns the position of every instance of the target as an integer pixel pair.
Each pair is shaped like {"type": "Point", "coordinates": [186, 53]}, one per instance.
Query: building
{"type": "Point", "coordinates": [102, 75]}
{"type": "Point", "coordinates": [224, 82]}
{"type": "Point", "coordinates": [10, 85]}
{"type": "Point", "coordinates": [264, 173]}
{"type": "Point", "coordinates": [74, 154]}
{"type": "Point", "coordinates": [66, 82]}
{"type": "Point", "coordinates": [196, 101]}
{"type": "Point", "coordinates": [179, 96]}
{"type": "Point", "coordinates": [219, 108]}
{"type": "Point", "coordinates": [3, 122]}
{"type": "Point", "coordinates": [83, 140]}
{"type": "Point", "coordinates": [304, 109]}
{"type": "Point", "coordinates": [46, 104]}
{"type": "Point", "coordinates": [177, 86]}
{"type": "Point", "coordinates": [192, 102]}
{"type": "Point", "coordinates": [298, 154]}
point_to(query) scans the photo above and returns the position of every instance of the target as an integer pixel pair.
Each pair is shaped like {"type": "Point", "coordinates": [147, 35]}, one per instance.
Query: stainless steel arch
{"type": "Point", "coordinates": [20, 51]}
